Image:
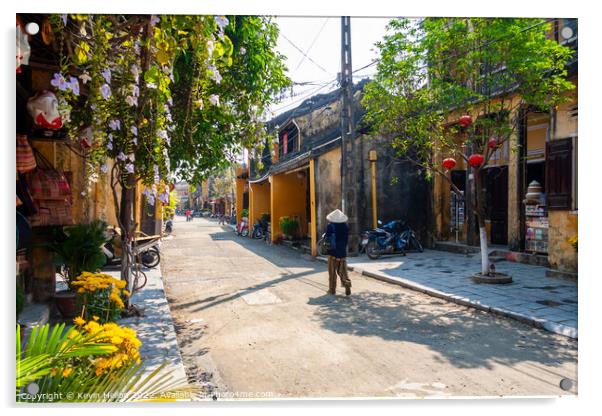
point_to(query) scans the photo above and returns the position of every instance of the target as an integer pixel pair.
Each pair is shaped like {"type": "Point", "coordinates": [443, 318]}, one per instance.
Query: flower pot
{"type": "Point", "coordinates": [66, 303]}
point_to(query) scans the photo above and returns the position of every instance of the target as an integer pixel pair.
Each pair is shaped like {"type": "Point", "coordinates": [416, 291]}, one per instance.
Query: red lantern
{"type": "Point", "coordinates": [492, 143]}
{"type": "Point", "coordinates": [476, 160]}
{"type": "Point", "coordinates": [465, 120]}
{"type": "Point", "coordinates": [449, 163]}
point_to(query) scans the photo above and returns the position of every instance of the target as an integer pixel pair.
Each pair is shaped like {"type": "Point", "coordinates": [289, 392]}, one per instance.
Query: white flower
{"type": "Point", "coordinates": [105, 90]}
{"type": "Point", "coordinates": [121, 156]}
{"type": "Point", "coordinates": [131, 101]}
{"type": "Point", "coordinates": [135, 90]}
{"type": "Point", "coordinates": [132, 157]}
{"type": "Point", "coordinates": [115, 124]}
{"type": "Point", "coordinates": [85, 77]}
{"type": "Point", "coordinates": [210, 47]}
{"type": "Point", "coordinates": [151, 85]}
{"type": "Point", "coordinates": [242, 50]}
{"type": "Point", "coordinates": [222, 22]}
{"type": "Point", "coordinates": [134, 130]}
{"type": "Point", "coordinates": [135, 71]}
{"type": "Point", "coordinates": [215, 75]}
{"type": "Point", "coordinates": [199, 104]}
{"type": "Point", "coordinates": [129, 167]}
{"type": "Point", "coordinates": [214, 99]}
{"type": "Point", "coordinates": [83, 193]}
{"type": "Point", "coordinates": [104, 168]}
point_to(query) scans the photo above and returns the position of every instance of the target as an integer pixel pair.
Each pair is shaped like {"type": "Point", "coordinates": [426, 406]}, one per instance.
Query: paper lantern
{"type": "Point", "coordinates": [492, 143]}
{"type": "Point", "coordinates": [449, 163]}
{"type": "Point", "coordinates": [476, 160]}
{"type": "Point", "coordinates": [465, 120]}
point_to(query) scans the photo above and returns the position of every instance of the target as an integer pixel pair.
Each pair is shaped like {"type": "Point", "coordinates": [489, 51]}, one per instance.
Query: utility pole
{"type": "Point", "coordinates": [349, 200]}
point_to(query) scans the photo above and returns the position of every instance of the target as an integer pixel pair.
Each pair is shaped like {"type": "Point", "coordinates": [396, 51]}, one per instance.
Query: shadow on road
{"type": "Point", "coordinates": [466, 338]}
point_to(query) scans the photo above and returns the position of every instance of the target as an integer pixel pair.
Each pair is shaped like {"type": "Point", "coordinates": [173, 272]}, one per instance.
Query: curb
{"type": "Point", "coordinates": [460, 300]}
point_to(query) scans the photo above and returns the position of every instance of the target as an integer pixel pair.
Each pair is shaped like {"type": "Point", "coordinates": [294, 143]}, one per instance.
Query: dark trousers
{"type": "Point", "coordinates": [337, 267]}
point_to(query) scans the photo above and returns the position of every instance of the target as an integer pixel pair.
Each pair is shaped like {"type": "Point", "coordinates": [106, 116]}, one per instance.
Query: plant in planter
{"type": "Point", "coordinates": [244, 213]}
{"type": "Point", "coordinates": [77, 249]}
{"type": "Point", "coordinates": [289, 226]}
{"type": "Point", "coordinates": [101, 296]}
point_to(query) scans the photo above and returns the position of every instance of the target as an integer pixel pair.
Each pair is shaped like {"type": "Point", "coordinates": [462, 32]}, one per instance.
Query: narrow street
{"type": "Point", "coordinates": [255, 320]}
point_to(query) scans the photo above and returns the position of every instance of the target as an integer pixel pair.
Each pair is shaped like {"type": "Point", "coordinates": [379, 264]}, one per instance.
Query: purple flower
{"type": "Point", "coordinates": [135, 140]}
{"type": "Point", "coordinates": [135, 71]}
{"type": "Point", "coordinates": [129, 167]}
{"type": "Point", "coordinates": [106, 74]}
{"type": "Point", "coordinates": [121, 156]}
{"type": "Point", "coordinates": [214, 99]}
{"type": "Point", "coordinates": [115, 124]}
{"type": "Point", "coordinates": [64, 19]}
{"type": "Point", "coordinates": [59, 81]}
{"type": "Point", "coordinates": [154, 20]}
{"type": "Point", "coordinates": [221, 21]}
{"type": "Point", "coordinates": [104, 168]}
{"type": "Point", "coordinates": [162, 134]}
{"type": "Point", "coordinates": [215, 75]}
{"type": "Point", "coordinates": [170, 101]}
{"type": "Point", "coordinates": [134, 130]}
{"type": "Point", "coordinates": [151, 200]}
{"type": "Point", "coordinates": [164, 197]}
{"type": "Point", "coordinates": [105, 90]}
{"type": "Point", "coordinates": [74, 85]}
{"type": "Point", "coordinates": [156, 171]}
{"type": "Point", "coordinates": [210, 47]}
{"type": "Point", "coordinates": [135, 91]}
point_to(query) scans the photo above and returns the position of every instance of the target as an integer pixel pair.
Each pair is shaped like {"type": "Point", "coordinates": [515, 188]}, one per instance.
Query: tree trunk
{"type": "Point", "coordinates": [128, 193]}
{"type": "Point", "coordinates": [480, 198]}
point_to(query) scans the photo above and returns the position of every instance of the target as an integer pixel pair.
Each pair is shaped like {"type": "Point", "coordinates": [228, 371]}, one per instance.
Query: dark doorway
{"type": "Point", "coordinates": [496, 185]}
{"type": "Point", "coordinates": [536, 171]}
{"type": "Point", "coordinates": [245, 200]}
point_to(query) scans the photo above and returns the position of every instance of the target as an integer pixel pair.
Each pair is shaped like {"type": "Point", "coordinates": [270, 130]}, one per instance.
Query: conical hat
{"type": "Point", "coordinates": [337, 216]}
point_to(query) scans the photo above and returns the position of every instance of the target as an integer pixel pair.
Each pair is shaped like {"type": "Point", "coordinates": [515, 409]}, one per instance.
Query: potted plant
{"type": "Point", "coordinates": [101, 296]}
{"type": "Point", "coordinates": [77, 249]}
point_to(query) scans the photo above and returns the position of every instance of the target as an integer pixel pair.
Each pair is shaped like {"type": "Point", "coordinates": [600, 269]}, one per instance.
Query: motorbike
{"type": "Point", "coordinates": [148, 255]}
{"type": "Point", "coordinates": [260, 229]}
{"type": "Point", "coordinates": [394, 237]}
{"type": "Point", "coordinates": [242, 228]}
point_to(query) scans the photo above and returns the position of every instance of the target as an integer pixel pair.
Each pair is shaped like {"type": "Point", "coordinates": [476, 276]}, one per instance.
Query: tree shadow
{"type": "Point", "coordinates": [466, 338]}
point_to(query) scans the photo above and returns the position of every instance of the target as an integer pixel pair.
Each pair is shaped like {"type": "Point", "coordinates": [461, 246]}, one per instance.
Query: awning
{"type": "Point", "coordinates": [293, 163]}
{"type": "Point", "coordinates": [261, 179]}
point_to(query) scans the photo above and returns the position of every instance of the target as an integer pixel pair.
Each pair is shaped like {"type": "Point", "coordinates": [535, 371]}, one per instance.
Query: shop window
{"type": "Point", "coordinates": [559, 173]}
{"type": "Point", "coordinates": [288, 140]}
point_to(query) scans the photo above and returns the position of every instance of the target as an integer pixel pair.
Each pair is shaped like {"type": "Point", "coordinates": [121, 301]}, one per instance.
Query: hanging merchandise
{"type": "Point", "coordinates": [26, 161]}
{"type": "Point", "coordinates": [23, 48]}
{"type": "Point", "coordinates": [44, 109]}
{"type": "Point", "coordinates": [52, 213]}
{"type": "Point", "coordinates": [46, 182]}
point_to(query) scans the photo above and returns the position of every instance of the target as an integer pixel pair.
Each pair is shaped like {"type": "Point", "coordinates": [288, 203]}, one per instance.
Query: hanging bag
{"type": "Point", "coordinates": [26, 161]}
{"type": "Point", "coordinates": [46, 182]}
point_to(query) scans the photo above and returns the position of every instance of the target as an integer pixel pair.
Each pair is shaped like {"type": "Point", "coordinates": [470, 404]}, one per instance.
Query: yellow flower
{"type": "Point", "coordinates": [96, 318]}
{"type": "Point", "coordinates": [67, 371]}
{"type": "Point", "coordinates": [79, 321]}
{"type": "Point", "coordinates": [53, 372]}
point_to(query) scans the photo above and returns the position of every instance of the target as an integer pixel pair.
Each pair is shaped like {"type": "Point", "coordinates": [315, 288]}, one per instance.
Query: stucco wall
{"type": "Point", "coordinates": [288, 198]}
{"type": "Point", "coordinates": [328, 186]}
{"type": "Point", "coordinates": [259, 200]}
{"type": "Point", "coordinates": [561, 255]}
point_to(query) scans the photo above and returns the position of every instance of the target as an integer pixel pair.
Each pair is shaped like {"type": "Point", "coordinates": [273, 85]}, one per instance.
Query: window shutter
{"type": "Point", "coordinates": [559, 173]}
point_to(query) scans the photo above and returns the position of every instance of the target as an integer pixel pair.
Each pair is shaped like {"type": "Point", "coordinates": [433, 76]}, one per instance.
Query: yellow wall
{"type": "Point", "coordinates": [259, 200]}
{"type": "Point", "coordinates": [561, 255]}
{"type": "Point", "coordinates": [288, 192]}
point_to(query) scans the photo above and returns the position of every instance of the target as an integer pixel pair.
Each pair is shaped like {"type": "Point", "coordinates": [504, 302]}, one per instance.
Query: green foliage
{"type": "Point", "coordinates": [289, 226]}
{"type": "Point", "coordinates": [436, 66]}
{"type": "Point", "coordinates": [78, 248]}
{"type": "Point", "coordinates": [244, 213]}
{"type": "Point", "coordinates": [48, 350]}
{"type": "Point", "coordinates": [265, 217]}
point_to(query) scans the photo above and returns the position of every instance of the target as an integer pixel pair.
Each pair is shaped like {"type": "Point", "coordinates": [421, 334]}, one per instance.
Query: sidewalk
{"type": "Point", "coordinates": [532, 298]}
{"type": "Point", "coordinates": [155, 329]}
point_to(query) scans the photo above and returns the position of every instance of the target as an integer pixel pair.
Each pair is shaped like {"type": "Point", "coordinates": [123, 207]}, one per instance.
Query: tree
{"type": "Point", "coordinates": [456, 86]}
{"type": "Point", "coordinates": [163, 94]}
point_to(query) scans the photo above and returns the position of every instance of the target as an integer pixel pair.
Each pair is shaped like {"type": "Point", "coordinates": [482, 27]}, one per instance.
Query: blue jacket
{"type": "Point", "coordinates": [341, 235]}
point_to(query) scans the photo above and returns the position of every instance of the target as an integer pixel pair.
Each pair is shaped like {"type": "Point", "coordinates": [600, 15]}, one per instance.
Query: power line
{"type": "Point", "coordinates": [312, 44]}
{"type": "Point", "coordinates": [305, 55]}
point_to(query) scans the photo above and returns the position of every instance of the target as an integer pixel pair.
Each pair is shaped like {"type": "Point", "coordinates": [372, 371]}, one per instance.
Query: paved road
{"type": "Point", "coordinates": [255, 321]}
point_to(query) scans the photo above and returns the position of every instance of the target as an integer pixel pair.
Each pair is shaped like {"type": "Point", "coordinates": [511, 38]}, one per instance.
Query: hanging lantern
{"type": "Point", "coordinates": [492, 143]}
{"type": "Point", "coordinates": [476, 160]}
{"type": "Point", "coordinates": [449, 163]}
{"type": "Point", "coordinates": [44, 109]}
{"type": "Point", "coordinates": [465, 120]}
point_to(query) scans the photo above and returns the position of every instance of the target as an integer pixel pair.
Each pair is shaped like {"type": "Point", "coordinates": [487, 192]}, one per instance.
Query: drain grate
{"type": "Point", "coordinates": [547, 302]}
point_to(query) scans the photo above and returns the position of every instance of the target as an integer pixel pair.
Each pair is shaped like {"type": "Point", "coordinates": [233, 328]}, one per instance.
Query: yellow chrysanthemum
{"type": "Point", "coordinates": [79, 321]}
{"type": "Point", "coordinates": [67, 372]}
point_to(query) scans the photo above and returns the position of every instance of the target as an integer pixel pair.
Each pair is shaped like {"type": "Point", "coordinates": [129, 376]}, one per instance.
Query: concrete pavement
{"type": "Point", "coordinates": [254, 321]}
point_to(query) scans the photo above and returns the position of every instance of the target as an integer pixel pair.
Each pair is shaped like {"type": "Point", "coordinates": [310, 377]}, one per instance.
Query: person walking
{"type": "Point", "coordinates": [337, 233]}
{"type": "Point", "coordinates": [187, 215]}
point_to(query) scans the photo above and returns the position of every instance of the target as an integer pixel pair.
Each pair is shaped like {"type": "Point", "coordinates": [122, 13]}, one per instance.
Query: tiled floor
{"type": "Point", "coordinates": [531, 294]}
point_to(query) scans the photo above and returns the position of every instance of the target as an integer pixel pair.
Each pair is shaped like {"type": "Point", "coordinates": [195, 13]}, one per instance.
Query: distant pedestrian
{"type": "Point", "coordinates": [337, 233]}
{"type": "Point", "coordinates": [187, 215]}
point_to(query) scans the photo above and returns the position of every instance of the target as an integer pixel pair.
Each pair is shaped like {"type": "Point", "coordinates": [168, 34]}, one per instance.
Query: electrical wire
{"type": "Point", "coordinates": [312, 44]}
{"type": "Point", "coordinates": [304, 54]}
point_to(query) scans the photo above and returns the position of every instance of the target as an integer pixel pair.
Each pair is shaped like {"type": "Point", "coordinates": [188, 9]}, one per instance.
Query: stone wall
{"type": "Point", "coordinates": [328, 186]}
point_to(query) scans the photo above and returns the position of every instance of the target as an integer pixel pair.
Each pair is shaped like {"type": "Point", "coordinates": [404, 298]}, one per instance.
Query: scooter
{"type": "Point", "coordinates": [242, 228]}
{"type": "Point", "coordinates": [260, 229]}
{"type": "Point", "coordinates": [149, 256]}
{"type": "Point", "coordinates": [168, 226]}
{"type": "Point", "coordinates": [395, 237]}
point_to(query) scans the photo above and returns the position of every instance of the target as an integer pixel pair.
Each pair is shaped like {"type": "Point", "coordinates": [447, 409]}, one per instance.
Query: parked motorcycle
{"type": "Point", "coordinates": [168, 226]}
{"type": "Point", "coordinates": [395, 237]}
{"type": "Point", "coordinates": [149, 256]}
{"type": "Point", "coordinates": [260, 229]}
{"type": "Point", "coordinates": [242, 228]}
